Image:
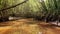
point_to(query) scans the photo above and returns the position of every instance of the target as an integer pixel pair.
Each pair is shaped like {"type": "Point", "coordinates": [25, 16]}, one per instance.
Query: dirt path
{"type": "Point", "coordinates": [27, 26]}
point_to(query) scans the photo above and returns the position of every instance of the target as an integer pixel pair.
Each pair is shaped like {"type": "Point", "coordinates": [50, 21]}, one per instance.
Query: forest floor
{"type": "Point", "coordinates": [28, 26]}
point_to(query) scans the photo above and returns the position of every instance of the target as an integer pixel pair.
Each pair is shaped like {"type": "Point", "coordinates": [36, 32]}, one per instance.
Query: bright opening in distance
{"type": "Point", "coordinates": [42, 0]}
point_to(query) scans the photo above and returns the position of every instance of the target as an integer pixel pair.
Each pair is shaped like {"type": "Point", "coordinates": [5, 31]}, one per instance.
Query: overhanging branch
{"type": "Point", "coordinates": [13, 6]}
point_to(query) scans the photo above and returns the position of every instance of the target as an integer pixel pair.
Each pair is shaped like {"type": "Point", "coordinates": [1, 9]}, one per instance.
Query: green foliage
{"type": "Point", "coordinates": [32, 8]}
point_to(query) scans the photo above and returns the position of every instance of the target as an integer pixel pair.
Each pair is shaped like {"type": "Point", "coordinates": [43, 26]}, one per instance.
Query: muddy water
{"type": "Point", "coordinates": [27, 26]}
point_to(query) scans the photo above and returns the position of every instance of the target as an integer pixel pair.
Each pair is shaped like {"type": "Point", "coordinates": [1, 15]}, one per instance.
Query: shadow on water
{"type": "Point", "coordinates": [48, 25]}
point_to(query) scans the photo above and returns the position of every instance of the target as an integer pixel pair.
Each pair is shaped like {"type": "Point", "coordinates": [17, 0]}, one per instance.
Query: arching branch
{"type": "Point", "coordinates": [13, 6]}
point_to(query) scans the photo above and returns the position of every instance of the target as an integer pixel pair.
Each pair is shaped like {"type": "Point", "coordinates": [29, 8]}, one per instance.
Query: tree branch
{"type": "Point", "coordinates": [13, 6]}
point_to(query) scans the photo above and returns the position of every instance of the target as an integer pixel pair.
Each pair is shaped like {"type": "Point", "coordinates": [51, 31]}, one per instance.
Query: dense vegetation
{"type": "Point", "coordinates": [46, 10]}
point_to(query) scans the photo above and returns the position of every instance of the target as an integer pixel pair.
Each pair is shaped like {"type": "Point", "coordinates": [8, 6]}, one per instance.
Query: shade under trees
{"type": "Point", "coordinates": [46, 10]}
